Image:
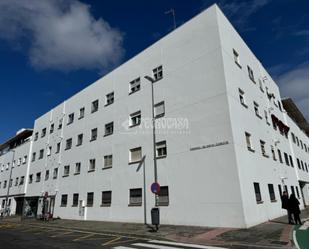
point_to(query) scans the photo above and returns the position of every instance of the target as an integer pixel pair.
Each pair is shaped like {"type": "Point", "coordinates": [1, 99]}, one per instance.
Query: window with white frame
{"type": "Point", "coordinates": [90, 198]}
{"type": "Point", "coordinates": [70, 118]}
{"type": "Point", "coordinates": [236, 58]}
{"type": "Point", "coordinates": [261, 85]}
{"type": "Point", "coordinates": [242, 97]}
{"type": "Point", "coordinates": [135, 197]}
{"type": "Point", "coordinates": [58, 147]}
{"type": "Point", "coordinates": [66, 170]}
{"type": "Point", "coordinates": [30, 178]}
{"type": "Point", "coordinates": [266, 117]}
{"type": "Point", "coordinates": [95, 106]}
{"type": "Point", "coordinates": [80, 139]}
{"type": "Point", "coordinates": [263, 149]}
{"type": "Point", "coordinates": [81, 112]}
{"type": "Point", "coordinates": [77, 168]}
{"type": "Point", "coordinates": [109, 98]}
{"type": "Point", "coordinates": [273, 153]}
{"type": "Point", "coordinates": [256, 109]}
{"type": "Point", "coordinates": [19, 162]}
{"type": "Point", "coordinates": [280, 156]}
{"type": "Point", "coordinates": [22, 180]}
{"type": "Point", "coordinates": [25, 159]}
{"type": "Point", "coordinates": [257, 191]}
{"type": "Point", "coordinates": [52, 128]}
{"type": "Point", "coordinates": [135, 118]}
{"type": "Point", "coordinates": [68, 144]}
{"type": "Point", "coordinates": [43, 132]}
{"type": "Point", "coordinates": [271, 191]}
{"type": "Point", "coordinates": [46, 175]}
{"type": "Point", "coordinates": [135, 85]}
{"type": "Point", "coordinates": [75, 200]}
{"type": "Point", "coordinates": [49, 149]}
{"type": "Point", "coordinates": [108, 161]}
{"type": "Point", "coordinates": [64, 200]}
{"type": "Point", "coordinates": [161, 150]}
{"type": "Point", "coordinates": [109, 129]}
{"type": "Point", "coordinates": [41, 154]}
{"type": "Point", "coordinates": [94, 134]}
{"type": "Point", "coordinates": [159, 109]}
{"type": "Point", "coordinates": [36, 136]}
{"type": "Point", "coordinates": [163, 196]}
{"type": "Point", "coordinates": [33, 156]}
{"type": "Point", "coordinates": [38, 177]}
{"type": "Point", "coordinates": [250, 74]}
{"type": "Point", "coordinates": [91, 165]}
{"type": "Point", "coordinates": [60, 123]}
{"type": "Point", "coordinates": [106, 198]}
{"type": "Point", "coordinates": [248, 141]}
{"type": "Point", "coordinates": [16, 181]}
{"type": "Point", "coordinates": [158, 73]}
{"type": "Point", "coordinates": [135, 154]}
{"type": "Point", "coordinates": [55, 173]}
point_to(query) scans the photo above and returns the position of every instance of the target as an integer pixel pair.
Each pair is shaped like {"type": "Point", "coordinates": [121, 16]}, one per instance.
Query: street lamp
{"type": "Point", "coordinates": [9, 186]}
{"type": "Point", "coordinates": [151, 80]}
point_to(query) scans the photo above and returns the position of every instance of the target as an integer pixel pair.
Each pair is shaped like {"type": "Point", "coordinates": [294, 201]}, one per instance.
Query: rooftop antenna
{"type": "Point", "coordinates": [171, 11]}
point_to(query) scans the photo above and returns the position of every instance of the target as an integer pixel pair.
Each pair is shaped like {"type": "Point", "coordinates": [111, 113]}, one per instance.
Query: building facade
{"type": "Point", "coordinates": [226, 146]}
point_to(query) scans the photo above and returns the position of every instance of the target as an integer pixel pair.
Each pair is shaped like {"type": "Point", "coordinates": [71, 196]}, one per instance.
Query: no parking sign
{"type": "Point", "coordinates": [155, 188]}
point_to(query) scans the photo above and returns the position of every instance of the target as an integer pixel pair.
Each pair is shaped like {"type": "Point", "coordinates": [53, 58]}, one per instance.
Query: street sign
{"type": "Point", "coordinates": [155, 188]}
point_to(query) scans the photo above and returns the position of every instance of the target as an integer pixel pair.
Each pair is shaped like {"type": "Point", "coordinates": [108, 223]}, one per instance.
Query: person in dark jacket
{"type": "Point", "coordinates": [285, 205]}
{"type": "Point", "coordinates": [294, 208]}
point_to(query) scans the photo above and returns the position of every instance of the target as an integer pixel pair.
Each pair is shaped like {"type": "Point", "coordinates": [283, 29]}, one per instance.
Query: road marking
{"type": "Point", "coordinates": [184, 244]}
{"type": "Point", "coordinates": [84, 237]}
{"type": "Point", "coordinates": [111, 241]}
{"type": "Point", "coordinates": [295, 240]}
{"type": "Point", "coordinates": [123, 247]}
{"type": "Point", "coordinates": [304, 226]}
{"type": "Point", "coordinates": [61, 234]}
{"type": "Point", "coordinates": [155, 246]}
{"type": "Point", "coordinates": [123, 241]}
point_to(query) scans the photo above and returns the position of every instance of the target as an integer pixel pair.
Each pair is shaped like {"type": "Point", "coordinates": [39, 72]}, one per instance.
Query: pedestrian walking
{"type": "Point", "coordinates": [285, 205]}
{"type": "Point", "coordinates": [294, 208]}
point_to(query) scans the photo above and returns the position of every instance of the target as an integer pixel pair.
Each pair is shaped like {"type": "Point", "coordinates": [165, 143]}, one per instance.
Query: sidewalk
{"type": "Point", "coordinates": [271, 235]}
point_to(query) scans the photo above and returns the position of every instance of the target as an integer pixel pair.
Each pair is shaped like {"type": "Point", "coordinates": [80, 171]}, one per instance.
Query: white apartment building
{"type": "Point", "coordinates": [226, 145]}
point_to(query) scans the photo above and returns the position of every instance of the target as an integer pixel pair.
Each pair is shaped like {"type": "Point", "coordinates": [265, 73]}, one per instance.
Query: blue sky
{"type": "Point", "coordinates": [49, 50]}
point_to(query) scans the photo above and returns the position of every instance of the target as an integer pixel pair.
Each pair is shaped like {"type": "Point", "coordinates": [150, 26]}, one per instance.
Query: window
{"type": "Point", "coordinates": [46, 175]}
{"type": "Point", "coordinates": [293, 190]}
{"type": "Point", "coordinates": [38, 177]}
{"type": "Point", "coordinates": [242, 97]}
{"type": "Point", "coordinates": [77, 168]}
{"type": "Point", "coordinates": [248, 141]}
{"type": "Point", "coordinates": [33, 157]}
{"type": "Point", "coordinates": [91, 165]}
{"type": "Point", "coordinates": [79, 139]}
{"type": "Point", "coordinates": [256, 109]}
{"type": "Point", "coordinates": [271, 192]}
{"type": "Point", "coordinates": [293, 137]}
{"type": "Point", "coordinates": [163, 196]}
{"type": "Point", "coordinates": [250, 74]}
{"type": "Point", "coordinates": [266, 117]}
{"type": "Point", "coordinates": [297, 192]}
{"type": "Point", "coordinates": [22, 180]}
{"type": "Point", "coordinates": [135, 154]}
{"type": "Point", "coordinates": [159, 110]}
{"type": "Point", "coordinates": [41, 155]}
{"type": "Point", "coordinates": [302, 165]}
{"type": "Point", "coordinates": [58, 147]}
{"type": "Point", "coordinates": [95, 106]}
{"type": "Point", "coordinates": [286, 159]}
{"type": "Point", "coordinates": [75, 200]}
{"type": "Point", "coordinates": [60, 123]}
{"type": "Point", "coordinates": [161, 150]}
{"type": "Point", "coordinates": [280, 190]}
{"type": "Point", "coordinates": [108, 161]}
{"type": "Point", "coordinates": [68, 144]}
{"type": "Point", "coordinates": [43, 132]}
{"type": "Point", "coordinates": [236, 58]}
{"type": "Point", "coordinates": [36, 136]}
{"type": "Point", "coordinates": [81, 113]}
{"type": "Point", "coordinates": [51, 129]}
{"type": "Point", "coordinates": [4, 184]}
{"type": "Point", "coordinates": [279, 105]}
{"type": "Point", "coordinates": [280, 156]}
{"type": "Point", "coordinates": [66, 170]}
{"type": "Point", "coordinates": [94, 134]}
{"type": "Point", "coordinates": [263, 151]}
{"type": "Point", "coordinates": [273, 153]}
{"type": "Point", "coordinates": [11, 183]}
{"type": "Point", "coordinates": [261, 85]}
{"type": "Point", "coordinates": [135, 85]}
{"type": "Point", "coordinates": [30, 179]}
{"type": "Point", "coordinates": [109, 99]}
{"type": "Point", "coordinates": [64, 200]}
{"type": "Point", "coordinates": [257, 191]}
{"type": "Point", "coordinates": [109, 129]}
{"type": "Point", "coordinates": [25, 159]}
{"type": "Point", "coordinates": [106, 198]}
{"type": "Point", "coordinates": [291, 161]}
{"type": "Point", "coordinates": [135, 197]}
{"type": "Point", "coordinates": [55, 173]}
{"type": "Point", "coordinates": [16, 181]}
{"type": "Point", "coordinates": [18, 163]}
{"type": "Point", "coordinates": [135, 118]}
{"type": "Point", "coordinates": [70, 118]}
{"type": "Point", "coordinates": [158, 73]}
{"type": "Point", "coordinates": [49, 151]}
{"type": "Point", "coordinates": [90, 199]}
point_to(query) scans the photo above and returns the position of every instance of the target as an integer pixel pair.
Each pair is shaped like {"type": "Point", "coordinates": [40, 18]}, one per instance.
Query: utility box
{"type": "Point", "coordinates": [155, 217]}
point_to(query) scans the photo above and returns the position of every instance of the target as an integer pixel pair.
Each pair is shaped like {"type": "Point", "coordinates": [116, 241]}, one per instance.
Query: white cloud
{"type": "Point", "coordinates": [295, 84]}
{"type": "Point", "coordinates": [60, 34]}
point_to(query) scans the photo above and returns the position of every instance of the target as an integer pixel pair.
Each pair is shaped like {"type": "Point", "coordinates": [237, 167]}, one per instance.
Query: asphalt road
{"type": "Point", "coordinates": [19, 236]}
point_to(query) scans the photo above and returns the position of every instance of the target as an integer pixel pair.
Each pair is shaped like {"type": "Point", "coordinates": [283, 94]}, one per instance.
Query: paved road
{"type": "Point", "coordinates": [20, 236]}
{"type": "Point", "coordinates": [301, 236]}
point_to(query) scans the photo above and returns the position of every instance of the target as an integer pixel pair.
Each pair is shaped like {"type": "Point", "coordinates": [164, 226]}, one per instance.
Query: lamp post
{"type": "Point", "coordinates": [151, 80]}
{"type": "Point", "coordinates": [9, 185]}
